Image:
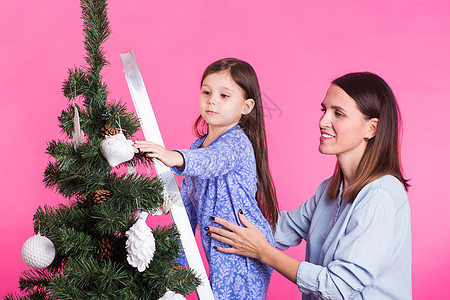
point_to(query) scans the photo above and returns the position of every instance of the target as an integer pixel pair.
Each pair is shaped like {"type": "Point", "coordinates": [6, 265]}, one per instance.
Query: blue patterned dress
{"type": "Point", "coordinates": [219, 180]}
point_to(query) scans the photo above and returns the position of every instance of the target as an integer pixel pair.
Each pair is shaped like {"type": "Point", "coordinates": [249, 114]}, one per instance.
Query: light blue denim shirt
{"type": "Point", "coordinates": [354, 251]}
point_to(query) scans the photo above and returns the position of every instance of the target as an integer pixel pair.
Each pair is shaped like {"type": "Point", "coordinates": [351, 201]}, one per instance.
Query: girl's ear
{"type": "Point", "coordinates": [373, 124]}
{"type": "Point", "coordinates": [248, 106]}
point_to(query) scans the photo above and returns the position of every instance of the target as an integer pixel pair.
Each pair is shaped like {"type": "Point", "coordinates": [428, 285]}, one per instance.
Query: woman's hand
{"type": "Point", "coordinates": [247, 241]}
{"type": "Point", "coordinates": [167, 157]}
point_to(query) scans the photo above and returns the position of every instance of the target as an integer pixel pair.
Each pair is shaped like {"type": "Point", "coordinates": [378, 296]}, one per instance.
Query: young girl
{"type": "Point", "coordinates": [226, 172]}
{"type": "Point", "coordinates": [357, 225]}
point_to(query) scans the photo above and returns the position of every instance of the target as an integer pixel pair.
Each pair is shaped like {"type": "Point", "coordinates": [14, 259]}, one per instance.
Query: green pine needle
{"type": "Point", "coordinates": [77, 227]}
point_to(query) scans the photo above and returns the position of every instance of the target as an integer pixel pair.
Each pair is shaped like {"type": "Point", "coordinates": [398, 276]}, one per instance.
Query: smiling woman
{"type": "Point", "coordinates": [344, 129]}
{"type": "Point", "coordinates": [357, 225]}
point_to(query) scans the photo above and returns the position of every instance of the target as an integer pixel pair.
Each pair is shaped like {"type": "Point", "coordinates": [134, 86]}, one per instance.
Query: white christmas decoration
{"type": "Point", "coordinates": [140, 244]}
{"type": "Point", "coordinates": [156, 212]}
{"type": "Point", "coordinates": [38, 252]}
{"type": "Point", "coordinates": [117, 149]}
{"type": "Point", "coordinates": [78, 134]}
{"type": "Point", "coordinates": [169, 295]}
{"type": "Point", "coordinates": [169, 200]}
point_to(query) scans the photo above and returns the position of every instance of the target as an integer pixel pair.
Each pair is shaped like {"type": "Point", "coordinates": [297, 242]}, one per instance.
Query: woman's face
{"type": "Point", "coordinates": [343, 126]}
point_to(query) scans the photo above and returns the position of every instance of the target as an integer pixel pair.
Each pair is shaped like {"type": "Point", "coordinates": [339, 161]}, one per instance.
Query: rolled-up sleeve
{"type": "Point", "coordinates": [213, 161]}
{"type": "Point", "coordinates": [293, 225]}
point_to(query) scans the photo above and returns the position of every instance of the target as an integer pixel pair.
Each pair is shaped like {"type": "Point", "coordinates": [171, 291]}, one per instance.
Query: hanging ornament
{"type": "Point", "coordinates": [169, 295]}
{"type": "Point", "coordinates": [117, 149]}
{"type": "Point", "coordinates": [169, 200]}
{"type": "Point", "coordinates": [156, 212]}
{"type": "Point", "coordinates": [38, 252]}
{"type": "Point", "coordinates": [78, 134]}
{"type": "Point", "coordinates": [140, 244]}
{"type": "Point", "coordinates": [131, 169]}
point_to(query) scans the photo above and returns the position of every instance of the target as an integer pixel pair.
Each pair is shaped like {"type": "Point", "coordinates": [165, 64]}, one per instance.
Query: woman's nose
{"type": "Point", "coordinates": [324, 121]}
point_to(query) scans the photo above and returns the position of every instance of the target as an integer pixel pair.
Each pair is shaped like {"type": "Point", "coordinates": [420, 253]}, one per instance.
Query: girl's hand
{"type": "Point", "coordinates": [167, 157]}
{"type": "Point", "coordinates": [247, 241]}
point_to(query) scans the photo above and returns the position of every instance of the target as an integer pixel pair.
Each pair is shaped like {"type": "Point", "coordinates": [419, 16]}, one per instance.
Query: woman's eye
{"type": "Point", "coordinates": [224, 95]}
{"type": "Point", "coordinates": [338, 114]}
{"type": "Point", "coordinates": [206, 92]}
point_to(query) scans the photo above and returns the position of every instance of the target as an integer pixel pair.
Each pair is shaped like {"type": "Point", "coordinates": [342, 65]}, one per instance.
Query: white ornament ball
{"type": "Point", "coordinates": [117, 149]}
{"type": "Point", "coordinates": [38, 252]}
{"type": "Point", "coordinates": [169, 295]}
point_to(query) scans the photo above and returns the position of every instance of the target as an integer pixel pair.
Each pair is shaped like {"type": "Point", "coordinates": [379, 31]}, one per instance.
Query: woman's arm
{"type": "Point", "coordinates": [249, 241]}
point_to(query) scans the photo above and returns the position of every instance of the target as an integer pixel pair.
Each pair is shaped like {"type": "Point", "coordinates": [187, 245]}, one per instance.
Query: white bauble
{"type": "Point", "coordinates": [117, 149]}
{"type": "Point", "coordinates": [38, 252]}
{"type": "Point", "coordinates": [140, 244]}
{"type": "Point", "coordinates": [169, 295]}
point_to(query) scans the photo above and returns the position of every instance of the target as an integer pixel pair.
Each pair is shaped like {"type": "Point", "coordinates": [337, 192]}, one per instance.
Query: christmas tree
{"type": "Point", "coordinates": [98, 246]}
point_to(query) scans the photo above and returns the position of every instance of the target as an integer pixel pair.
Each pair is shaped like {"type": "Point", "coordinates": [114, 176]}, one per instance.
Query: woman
{"type": "Point", "coordinates": [357, 225]}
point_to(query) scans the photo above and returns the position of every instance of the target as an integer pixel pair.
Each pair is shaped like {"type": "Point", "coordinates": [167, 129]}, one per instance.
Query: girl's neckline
{"type": "Point", "coordinates": [203, 138]}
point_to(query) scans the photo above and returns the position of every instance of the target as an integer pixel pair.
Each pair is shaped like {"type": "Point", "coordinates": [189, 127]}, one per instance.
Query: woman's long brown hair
{"type": "Point", "coordinates": [253, 126]}
{"type": "Point", "coordinates": [375, 99]}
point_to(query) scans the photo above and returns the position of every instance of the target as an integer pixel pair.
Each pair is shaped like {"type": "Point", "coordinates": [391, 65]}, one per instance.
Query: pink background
{"type": "Point", "coordinates": [296, 48]}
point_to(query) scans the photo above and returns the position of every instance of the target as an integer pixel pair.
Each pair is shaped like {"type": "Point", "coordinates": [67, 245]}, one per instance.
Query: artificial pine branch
{"type": "Point", "coordinates": [49, 220]}
{"type": "Point", "coordinates": [85, 158]}
{"type": "Point", "coordinates": [34, 283]}
{"type": "Point", "coordinates": [112, 114]}
{"type": "Point", "coordinates": [78, 182]}
{"type": "Point", "coordinates": [77, 84]}
{"type": "Point", "coordinates": [74, 182]}
{"type": "Point", "coordinates": [110, 220]}
{"type": "Point", "coordinates": [35, 280]}
{"type": "Point", "coordinates": [89, 232]}
{"type": "Point", "coordinates": [11, 296]}
{"type": "Point", "coordinates": [71, 242]}
{"type": "Point", "coordinates": [97, 30]}
{"type": "Point", "coordinates": [89, 279]}
{"type": "Point", "coordinates": [148, 191]}
{"type": "Point", "coordinates": [181, 280]}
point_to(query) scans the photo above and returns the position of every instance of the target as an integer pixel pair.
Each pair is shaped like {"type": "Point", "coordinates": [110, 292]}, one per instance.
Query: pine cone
{"type": "Point", "coordinates": [110, 130]}
{"type": "Point", "coordinates": [100, 196]}
{"type": "Point", "coordinates": [105, 249]}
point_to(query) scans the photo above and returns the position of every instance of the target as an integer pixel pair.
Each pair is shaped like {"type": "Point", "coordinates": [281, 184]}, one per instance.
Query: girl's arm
{"type": "Point", "coordinates": [222, 157]}
{"type": "Point", "coordinates": [167, 157]}
{"type": "Point", "coordinates": [215, 160]}
{"type": "Point", "coordinates": [249, 241]}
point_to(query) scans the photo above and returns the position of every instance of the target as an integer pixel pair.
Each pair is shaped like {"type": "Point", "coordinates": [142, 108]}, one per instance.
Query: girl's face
{"type": "Point", "coordinates": [222, 101]}
{"type": "Point", "coordinates": [343, 126]}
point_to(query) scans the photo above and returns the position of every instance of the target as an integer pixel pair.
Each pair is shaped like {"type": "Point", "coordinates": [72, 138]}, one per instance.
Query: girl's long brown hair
{"type": "Point", "coordinates": [253, 126]}
{"type": "Point", "coordinates": [374, 99]}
